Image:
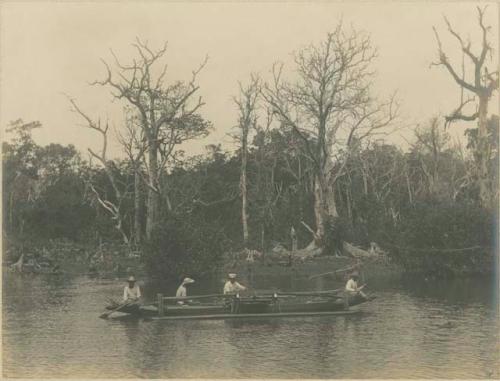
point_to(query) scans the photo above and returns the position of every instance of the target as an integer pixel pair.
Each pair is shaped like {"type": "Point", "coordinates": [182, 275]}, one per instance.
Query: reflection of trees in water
{"type": "Point", "coordinates": [401, 333]}
{"type": "Point", "coordinates": [150, 347]}
{"type": "Point", "coordinates": [269, 325]}
{"type": "Point", "coordinates": [289, 347]}
{"type": "Point", "coordinates": [451, 291]}
{"type": "Point", "coordinates": [326, 343]}
{"type": "Point", "coordinates": [161, 349]}
{"type": "Point", "coordinates": [250, 338]}
{"type": "Point", "coordinates": [26, 292]}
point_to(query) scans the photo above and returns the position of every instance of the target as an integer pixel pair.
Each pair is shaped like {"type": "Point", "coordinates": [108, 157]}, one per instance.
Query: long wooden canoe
{"type": "Point", "coordinates": [263, 306]}
{"type": "Point", "coordinates": [256, 315]}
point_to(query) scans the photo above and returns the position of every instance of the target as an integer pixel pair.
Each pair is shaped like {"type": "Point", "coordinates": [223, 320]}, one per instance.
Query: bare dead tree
{"type": "Point", "coordinates": [381, 172]}
{"type": "Point", "coordinates": [329, 107]}
{"type": "Point", "coordinates": [135, 146]}
{"type": "Point", "coordinates": [430, 144]}
{"type": "Point", "coordinates": [246, 103]}
{"type": "Point", "coordinates": [168, 114]}
{"type": "Point", "coordinates": [481, 87]}
{"type": "Point", "coordinates": [114, 208]}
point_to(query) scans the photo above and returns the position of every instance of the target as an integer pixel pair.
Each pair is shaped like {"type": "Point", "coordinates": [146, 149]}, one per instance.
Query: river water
{"type": "Point", "coordinates": [424, 329]}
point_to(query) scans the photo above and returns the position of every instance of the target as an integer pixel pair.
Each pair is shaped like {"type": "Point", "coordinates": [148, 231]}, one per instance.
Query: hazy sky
{"type": "Point", "coordinates": [51, 48]}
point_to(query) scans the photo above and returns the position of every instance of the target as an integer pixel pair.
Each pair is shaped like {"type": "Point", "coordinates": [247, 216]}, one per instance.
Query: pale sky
{"type": "Point", "coordinates": [48, 49]}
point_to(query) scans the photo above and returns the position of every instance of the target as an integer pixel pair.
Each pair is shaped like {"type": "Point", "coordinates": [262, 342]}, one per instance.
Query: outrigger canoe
{"type": "Point", "coordinates": [232, 307]}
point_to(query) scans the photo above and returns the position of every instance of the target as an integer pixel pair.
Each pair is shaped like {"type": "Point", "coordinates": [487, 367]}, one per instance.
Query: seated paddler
{"type": "Point", "coordinates": [182, 290]}
{"type": "Point", "coordinates": [232, 286]}
{"type": "Point", "coordinates": [131, 292]}
{"type": "Point", "coordinates": [352, 288]}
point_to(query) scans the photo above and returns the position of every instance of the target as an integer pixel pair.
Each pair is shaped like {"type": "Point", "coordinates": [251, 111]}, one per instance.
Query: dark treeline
{"type": "Point", "coordinates": [311, 155]}
{"type": "Point", "coordinates": [413, 204]}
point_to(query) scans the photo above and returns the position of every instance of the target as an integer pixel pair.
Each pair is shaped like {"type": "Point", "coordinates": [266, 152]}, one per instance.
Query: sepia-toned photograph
{"type": "Point", "coordinates": [250, 190]}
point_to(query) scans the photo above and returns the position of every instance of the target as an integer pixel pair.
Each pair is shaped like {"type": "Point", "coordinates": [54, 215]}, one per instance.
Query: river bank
{"type": "Point", "coordinates": [111, 259]}
{"type": "Point", "coordinates": [73, 258]}
{"type": "Point", "coordinates": [115, 259]}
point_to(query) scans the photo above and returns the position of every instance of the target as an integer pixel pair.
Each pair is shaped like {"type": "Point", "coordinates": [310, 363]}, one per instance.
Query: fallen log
{"type": "Point", "coordinates": [356, 252]}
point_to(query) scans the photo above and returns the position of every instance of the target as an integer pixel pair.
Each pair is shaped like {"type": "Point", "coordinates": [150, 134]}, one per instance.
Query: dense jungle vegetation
{"type": "Point", "coordinates": [311, 153]}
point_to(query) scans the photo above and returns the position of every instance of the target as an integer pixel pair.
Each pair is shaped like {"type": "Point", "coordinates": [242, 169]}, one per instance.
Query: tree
{"type": "Point", "coordinates": [330, 107]}
{"type": "Point", "coordinates": [246, 103]}
{"type": "Point", "coordinates": [430, 145]}
{"type": "Point", "coordinates": [113, 207]}
{"type": "Point", "coordinates": [20, 172]}
{"type": "Point", "coordinates": [482, 86]}
{"type": "Point", "coordinates": [134, 143]}
{"type": "Point", "coordinates": [168, 114]}
{"type": "Point", "coordinates": [43, 189]}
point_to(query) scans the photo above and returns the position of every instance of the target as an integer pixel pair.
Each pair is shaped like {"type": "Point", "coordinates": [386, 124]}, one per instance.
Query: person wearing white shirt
{"type": "Point", "coordinates": [132, 292]}
{"type": "Point", "coordinates": [182, 290]}
{"type": "Point", "coordinates": [351, 286]}
{"type": "Point", "coordinates": [233, 287]}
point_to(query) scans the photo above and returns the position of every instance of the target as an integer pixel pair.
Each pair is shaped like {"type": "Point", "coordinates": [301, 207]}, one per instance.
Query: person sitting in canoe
{"type": "Point", "coordinates": [131, 292]}
{"type": "Point", "coordinates": [352, 288]}
{"type": "Point", "coordinates": [182, 290]}
{"type": "Point", "coordinates": [231, 286]}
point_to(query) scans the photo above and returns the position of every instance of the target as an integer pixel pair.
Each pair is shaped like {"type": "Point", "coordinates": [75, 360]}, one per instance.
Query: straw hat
{"type": "Point", "coordinates": [131, 279]}
{"type": "Point", "coordinates": [187, 281]}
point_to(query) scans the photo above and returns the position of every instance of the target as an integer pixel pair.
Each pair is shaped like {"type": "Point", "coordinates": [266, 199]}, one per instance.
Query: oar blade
{"type": "Point", "coordinates": [106, 314]}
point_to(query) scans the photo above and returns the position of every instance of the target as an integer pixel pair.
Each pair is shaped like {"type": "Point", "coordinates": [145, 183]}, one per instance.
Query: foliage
{"type": "Point", "coordinates": [43, 190]}
{"type": "Point", "coordinates": [412, 203]}
{"type": "Point", "coordinates": [314, 165]}
{"type": "Point", "coordinates": [446, 239]}
{"type": "Point", "coordinates": [180, 246]}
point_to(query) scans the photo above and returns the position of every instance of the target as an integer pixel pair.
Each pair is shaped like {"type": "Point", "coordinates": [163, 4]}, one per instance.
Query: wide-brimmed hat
{"type": "Point", "coordinates": [231, 276]}
{"type": "Point", "coordinates": [131, 279]}
{"type": "Point", "coordinates": [187, 281]}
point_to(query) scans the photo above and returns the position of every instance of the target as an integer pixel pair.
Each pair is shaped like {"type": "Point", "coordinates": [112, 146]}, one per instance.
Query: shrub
{"type": "Point", "coordinates": [446, 238]}
{"type": "Point", "coordinates": [179, 246]}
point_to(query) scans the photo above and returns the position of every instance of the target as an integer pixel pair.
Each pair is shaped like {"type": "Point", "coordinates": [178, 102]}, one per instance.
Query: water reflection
{"type": "Point", "coordinates": [424, 330]}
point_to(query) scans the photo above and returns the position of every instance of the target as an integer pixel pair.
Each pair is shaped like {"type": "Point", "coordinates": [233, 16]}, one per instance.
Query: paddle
{"type": "Point", "coordinates": [343, 270]}
{"type": "Point", "coordinates": [106, 314]}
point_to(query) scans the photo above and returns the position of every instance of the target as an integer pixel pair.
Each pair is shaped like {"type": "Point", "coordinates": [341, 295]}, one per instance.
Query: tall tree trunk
{"type": "Point", "coordinates": [365, 183]}
{"type": "Point", "coordinates": [301, 191]}
{"type": "Point", "coordinates": [320, 197]}
{"type": "Point", "coordinates": [153, 191]}
{"type": "Point", "coordinates": [349, 208]}
{"type": "Point", "coordinates": [262, 238]}
{"type": "Point", "coordinates": [319, 211]}
{"type": "Point", "coordinates": [137, 207]}
{"type": "Point", "coordinates": [331, 203]}
{"type": "Point", "coordinates": [243, 185]}
{"type": "Point", "coordinates": [11, 210]}
{"type": "Point", "coordinates": [483, 152]}
{"type": "Point", "coordinates": [125, 239]}
{"type": "Point", "coordinates": [408, 186]}
{"type": "Point", "coordinates": [325, 206]}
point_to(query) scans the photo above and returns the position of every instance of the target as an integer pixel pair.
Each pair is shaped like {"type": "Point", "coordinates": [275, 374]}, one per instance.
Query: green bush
{"type": "Point", "coordinates": [446, 239]}
{"type": "Point", "coordinates": [181, 247]}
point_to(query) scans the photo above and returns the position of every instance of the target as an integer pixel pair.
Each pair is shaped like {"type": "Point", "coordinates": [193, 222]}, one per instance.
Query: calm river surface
{"type": "Point", "coordinates": [427, 330]}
